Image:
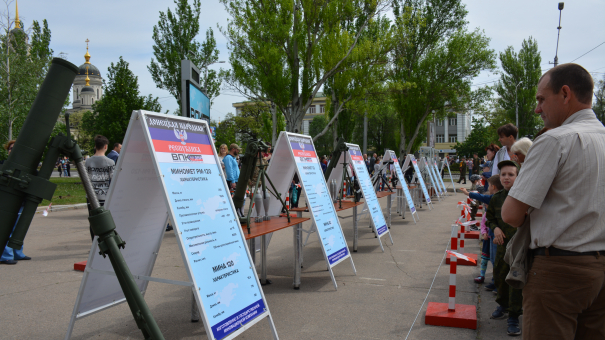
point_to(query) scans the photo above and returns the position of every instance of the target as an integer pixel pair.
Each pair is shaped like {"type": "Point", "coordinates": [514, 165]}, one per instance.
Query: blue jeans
{"type": "Point", "coordinates": [9, 254]}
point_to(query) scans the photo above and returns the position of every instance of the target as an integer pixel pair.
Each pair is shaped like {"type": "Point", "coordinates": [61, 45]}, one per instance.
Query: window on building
{"type": "Point", "coordinates": [453, 138]}
{"type": "Point", "coordinates": [97, 93]}
{"type": "Point", "coordinates": [322, 108]}
{"type": "Point", "coordinates": [77, 94]}
{"type": "Point", "coordinates": [305, 127]}
{"type": "Point", "coordinates": [311, 109]}
{"type": "Point", "coordinates": [440, 139]}
{"type": "Point", "coordinates": [453, 121]}
{"type": "Point", "coordinates": [439, 122]}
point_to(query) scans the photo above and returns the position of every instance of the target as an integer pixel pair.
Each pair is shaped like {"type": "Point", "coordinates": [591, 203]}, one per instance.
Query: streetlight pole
{"type": "Point", "coordinates": [561, 4]}
{"type": "Point", "coordinates": [517, 109]}
{"type": "Point", "coordinates": [206, 75]}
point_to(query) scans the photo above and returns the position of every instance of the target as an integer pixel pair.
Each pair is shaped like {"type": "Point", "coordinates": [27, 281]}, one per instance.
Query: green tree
{"type": "Point", "coordinates": [174, 40]}
{"type": "Point", "coordinates": [111, 114]}
{"type": "Point", "coordinates": [25, 61]}
{"type": "Point", "coordinates": [598, 105]}
{"type": "Point", "coordinates": [479, 138]}
{"type": "Point", "coordinates": [434, 62]}
{"type": "Point", "coordinates": [285, 51]}
{"type": "Point", "coordinates": [523, 68]}
{"type": "Point", "coordinates": [323, 144]}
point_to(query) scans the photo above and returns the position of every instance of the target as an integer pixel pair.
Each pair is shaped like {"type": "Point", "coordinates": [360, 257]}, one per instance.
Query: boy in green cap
{"type": "Point", "coordinates": [508, 299]}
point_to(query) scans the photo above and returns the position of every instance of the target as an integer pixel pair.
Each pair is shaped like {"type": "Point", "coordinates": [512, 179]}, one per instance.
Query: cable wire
{"type": "Point", "coordinates": [429, 292]}
{"type": "Point", "coordinates": [588, 52]}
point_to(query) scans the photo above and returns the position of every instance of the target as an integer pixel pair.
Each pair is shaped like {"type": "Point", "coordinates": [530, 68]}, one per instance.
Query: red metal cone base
{"type": "Point", "coordinates": [462, 262]}
{"type": "Point", "coordinates": [470, 235]}
{"type": "Point", "coordinates": [80, 266]}
{"type": "Point", "coordinates": [437, 314]}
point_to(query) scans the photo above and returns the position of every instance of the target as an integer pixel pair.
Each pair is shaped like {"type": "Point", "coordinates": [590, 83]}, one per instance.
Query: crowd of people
{"type": "Point", "coordinates": [544, 226]}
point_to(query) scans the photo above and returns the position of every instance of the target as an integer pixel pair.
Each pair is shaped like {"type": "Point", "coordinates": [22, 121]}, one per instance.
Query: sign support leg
{"type": "Point", "coordinates": [389, 207]}
{"type": "Point", "coordinates": [332, 275]}
{"type": "Point", "coordinates": [355, 229]}
{"type": "Point", "coordinates": [263, 261]}
{"type": "Point", "coordinates": [297, 264]}
{"type": "Point", "coordinates": [252, 247]}
{"type": "Point", "coordinates": [353, 265]}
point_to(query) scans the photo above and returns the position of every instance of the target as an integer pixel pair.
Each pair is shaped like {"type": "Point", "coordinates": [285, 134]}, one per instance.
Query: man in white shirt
{"type": "Point", "coordinates": [506, 137]}
{"type": "Point", "coordinates": [563, 179]}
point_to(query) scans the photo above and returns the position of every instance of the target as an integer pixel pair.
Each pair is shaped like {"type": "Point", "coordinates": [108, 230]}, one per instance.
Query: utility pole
{"type": "Point", "coordinates": [561, 4]}
{"type": "Point", "coordinates": [517, 108]}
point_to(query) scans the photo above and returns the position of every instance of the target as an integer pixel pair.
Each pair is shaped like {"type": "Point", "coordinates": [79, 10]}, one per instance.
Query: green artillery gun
{"type": "Point", "coordinates": [21, 185]}
{"type": "Point", "coordinates": [253, 168]}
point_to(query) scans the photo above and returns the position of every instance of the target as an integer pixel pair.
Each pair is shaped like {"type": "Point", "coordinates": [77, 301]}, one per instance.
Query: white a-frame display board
{"type": "Point", "coordinates": [168, 168]}
{"type": "Point", "coordinates": [354, 159]}
{"type": "Point", "coordinates": [427, 197]}
{"type": "Point", "coordinates": [390, 155]}
{"type": "Point", "coordinates": [433, 178]}
{"type": "Point", "coordinates": [450, 173]}
{"type": "Point", "coordinates": [430, 176]}
{"type": "Point", "coordinates": [439, 176]}
{"type": "Point", "coordinates": [296, 153]}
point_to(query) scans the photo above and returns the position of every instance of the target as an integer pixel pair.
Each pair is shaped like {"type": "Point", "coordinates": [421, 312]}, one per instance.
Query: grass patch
{"type": "Point", "coordinates": [69, 191]}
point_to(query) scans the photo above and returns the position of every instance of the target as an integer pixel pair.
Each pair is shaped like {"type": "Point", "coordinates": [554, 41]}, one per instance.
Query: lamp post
{"type": "Point", "coordinates": [517, 109]}
{"type": "Point", "coordinates": [556, 62]}
{"type": "Point", "coordinates": [206, 75]}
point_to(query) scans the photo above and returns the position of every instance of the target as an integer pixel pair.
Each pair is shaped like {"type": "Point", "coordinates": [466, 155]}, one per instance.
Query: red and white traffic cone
{"type": "Point", "coordinates": [453, 266]}
{"type": "Point", "coordinates": [451, 314]}
{"type": "Point", "coordinates": [461, 235]}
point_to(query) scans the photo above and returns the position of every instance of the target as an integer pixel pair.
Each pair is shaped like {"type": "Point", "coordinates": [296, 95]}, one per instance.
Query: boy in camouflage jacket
{"type": "Point", "coordinates": [508, 299]}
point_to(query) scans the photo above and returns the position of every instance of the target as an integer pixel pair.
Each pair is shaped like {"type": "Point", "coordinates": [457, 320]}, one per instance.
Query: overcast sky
{"type": "Point", "coordinates": [124, 28]}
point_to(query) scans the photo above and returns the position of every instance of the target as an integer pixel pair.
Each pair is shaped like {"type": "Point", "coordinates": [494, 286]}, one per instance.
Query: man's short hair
{"type": "Point", "coordinates": [116, 145]}
{"type": "Point", "coordinates": [495, 181]}
{"type": "Point", "coordinates": [507, 130]}
{"type": "Point", "coordinates": [580, 82]}
{"type": "Point", "coordinates": [100, 142]}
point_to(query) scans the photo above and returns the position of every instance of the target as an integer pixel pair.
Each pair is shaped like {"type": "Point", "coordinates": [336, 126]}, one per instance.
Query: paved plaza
{"type": "Point", "coordinates": [380, 302]}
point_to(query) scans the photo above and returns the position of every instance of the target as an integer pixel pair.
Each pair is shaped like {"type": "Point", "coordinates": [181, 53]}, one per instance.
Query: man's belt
{"type": "Point", "coordinates": [552, 251]}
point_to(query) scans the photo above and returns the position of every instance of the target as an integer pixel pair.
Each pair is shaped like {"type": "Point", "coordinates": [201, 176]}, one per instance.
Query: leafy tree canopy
{"type": "Point", "coordinates": [174, 40]}
{"type": "Point", "coordinates": [111, 114]}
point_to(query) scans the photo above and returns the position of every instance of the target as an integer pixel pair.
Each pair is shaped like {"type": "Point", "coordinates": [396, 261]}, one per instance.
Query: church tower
{"type": "Point", "coordinates": [87, 88]}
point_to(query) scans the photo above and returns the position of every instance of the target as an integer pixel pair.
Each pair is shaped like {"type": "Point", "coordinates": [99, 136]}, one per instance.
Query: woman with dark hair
{"type": "Point", "coordinates": [491, 150]}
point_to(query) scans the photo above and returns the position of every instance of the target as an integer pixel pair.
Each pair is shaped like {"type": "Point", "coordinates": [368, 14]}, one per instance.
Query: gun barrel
{"type": "Point", "coordinates": [31, 143]}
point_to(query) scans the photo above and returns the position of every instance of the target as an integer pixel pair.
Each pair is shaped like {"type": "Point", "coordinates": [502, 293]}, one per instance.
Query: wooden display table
{"type": "Point", "coordinates": [261, 229]}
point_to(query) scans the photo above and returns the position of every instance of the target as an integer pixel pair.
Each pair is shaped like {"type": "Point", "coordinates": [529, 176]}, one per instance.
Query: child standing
{"type": "Point", "coordinates": [508, 298]}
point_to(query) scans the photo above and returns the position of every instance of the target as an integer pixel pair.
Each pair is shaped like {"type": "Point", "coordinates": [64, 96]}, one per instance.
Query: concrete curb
{"type": "Point", "coordinates": [62, 207]}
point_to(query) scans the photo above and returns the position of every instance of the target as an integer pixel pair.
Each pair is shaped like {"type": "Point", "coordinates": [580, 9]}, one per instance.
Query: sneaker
{"type": "Point", "coordinates": [474, 228]}
{"type": "Point", "coordinates": [513, 327]}
{"type": "Point", "coordinates": [25, 258]}
{"type": "Point", "coordinates": [495, 291]}
{"type": "Point", "coordinates": [490, 287]}
{"type": "Point", "coordinates": [499, 313]}
{"type": "Point", "coordinates": [479, 279]}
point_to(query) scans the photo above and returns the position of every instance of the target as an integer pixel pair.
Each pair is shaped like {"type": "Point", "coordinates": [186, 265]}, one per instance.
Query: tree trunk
{"type": "Point", "coordinates": [335, 123]}
{"type": "Point", "coordinates": [402, 149]}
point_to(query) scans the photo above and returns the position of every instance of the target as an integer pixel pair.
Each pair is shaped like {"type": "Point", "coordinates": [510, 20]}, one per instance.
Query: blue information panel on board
{"type": "Point", "coordinates": [420, 180]}
{"type": "Point", "coordinates": [320, 202]}
{"type": "Point", "coordinates": [404, 185]}
{"type": "Point", "coordinates": [368, 189]}
{"type": "Point", "coordinates": [199, 104]}
{"type": "Point", "coordinates": [206, 224]}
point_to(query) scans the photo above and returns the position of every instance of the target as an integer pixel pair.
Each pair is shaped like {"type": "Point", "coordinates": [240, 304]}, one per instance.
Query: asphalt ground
{"type": "Point", "coordinates": [380, 302]}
